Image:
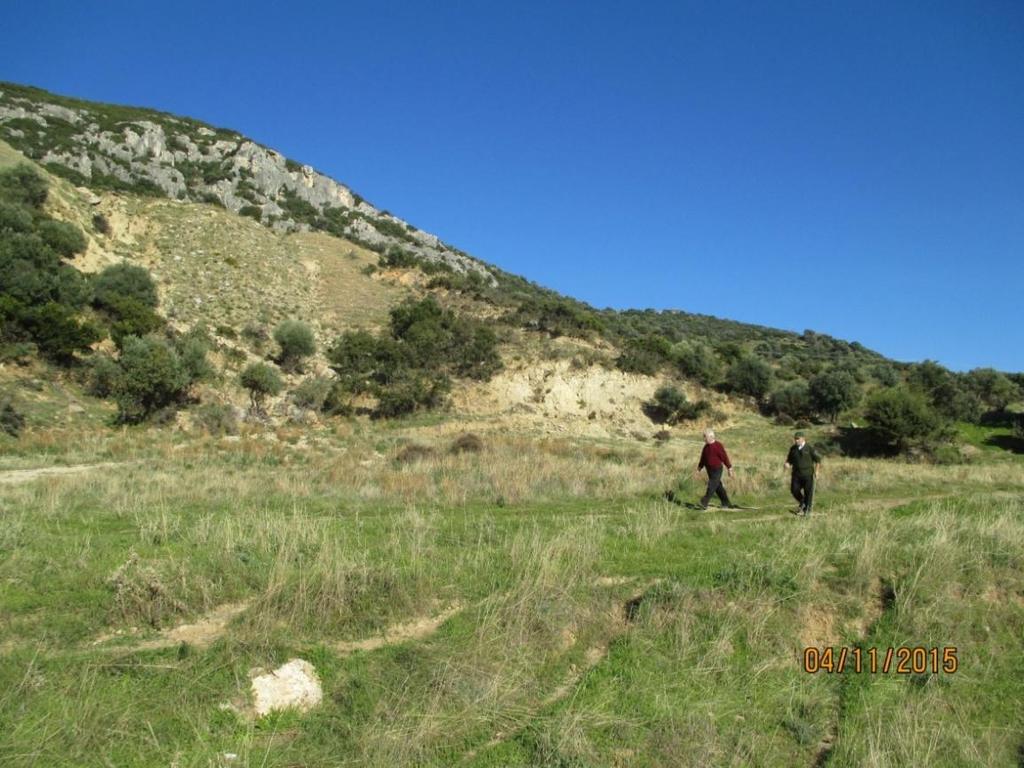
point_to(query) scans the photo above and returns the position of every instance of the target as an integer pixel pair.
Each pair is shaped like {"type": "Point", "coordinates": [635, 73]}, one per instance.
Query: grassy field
{"type": "Point", "coordinates": [582, 620]}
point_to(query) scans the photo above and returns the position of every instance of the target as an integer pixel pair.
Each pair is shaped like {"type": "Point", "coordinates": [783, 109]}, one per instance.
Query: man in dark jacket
{"type": "Point", "coordinates": [803, 460]}
{"type": "Point", "coordinates": [713, 458]}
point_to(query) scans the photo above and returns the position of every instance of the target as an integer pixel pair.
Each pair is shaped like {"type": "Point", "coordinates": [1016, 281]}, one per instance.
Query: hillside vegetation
{"type": "Point", "coordinates": [250, 422]}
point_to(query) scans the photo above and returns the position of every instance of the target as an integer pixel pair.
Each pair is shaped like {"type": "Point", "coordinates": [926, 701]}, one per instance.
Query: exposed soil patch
{"type": "Point", "coordinates": [818, 626]}
{"type": "Point", "coordinates": [399, 633]}
{"type": "Point", "coordinates": [199, 634]}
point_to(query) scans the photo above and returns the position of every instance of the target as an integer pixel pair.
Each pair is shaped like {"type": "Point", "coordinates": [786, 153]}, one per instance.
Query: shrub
{"type": "Point", "coordinates": [885, 375]}
{"type": "Point", "coordinates": [466, 443]}
{"type": "Point", "coordinates": [192, 349]}
{"type": "Point", "coordinates": [312, 393]}
{"type": "Point", "coordinates": [124, 280]}
{"type": "Point", "coordinates": [57, 331]}
{"type": "Point", "coordinates": [22, 185]}
{"type": "Point", "coordinates": [104, 376]}
{"type": "Point", "coordinates": [395, 257]}
{"type": "Point", "coordinates": [14, 218]}
{"type": "Point", "coordinates": [261, 380]}
{"type": "Point", "coordinates": [477, 358]}
{"type": "Point", "coordinates": [338, 401]}
{"type": "Point", "coordinates": [833, 391]}
{"type": "Point", "coordinates": [11, 420]}
{"type": "Point", "coordinates": [100, 224]}
{"type": "Point", "coordinates": [792, 400]}
{"type": "Point", "coordinates": [151, 378]}
{"type": "Point", "coordinates": [256, 335]}
{"type": "Point", "coordinates": [217, 419]}
{"type": "Point", "coordinates": [698, 362]}
{"type": "Point", "coordinates": [902, 418]}
{"type": "Point", "coordinates": [410, 392]}
{"type": "Point", "coordinates": [296, 341]}
{"type": "Point", "coordinates": [994, 389]}
{"type": "Point", "coordinates": [129, 317]}
{"type": "Point", "coordinates": [749, 376]}
{"type": "Point", "coordinates": [644, 356]}
{"type": "Point", "coordinates": [413, 453]}
{"type": "Point", "coordinates": [65, 239]}
{"type": "Point", "coordinates": [670, 406]}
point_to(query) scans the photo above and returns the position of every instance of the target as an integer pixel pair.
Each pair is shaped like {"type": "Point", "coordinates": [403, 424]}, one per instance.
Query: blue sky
{"type": "Point", "coordinates": [856, 168]}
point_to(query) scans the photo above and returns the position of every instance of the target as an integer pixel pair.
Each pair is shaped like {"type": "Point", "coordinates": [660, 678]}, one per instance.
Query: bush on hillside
{"type": "Point", "coordinates": [749, 376]}
{"type": "Point", "coordinates": [262, 381]}
{"type": "Point", "coordinates": [57, 332]}
{"type": "Point", "coordinates": [466, 443]}
{"type": "Point", "coordinates": [645, 356]}
{"type": "Point", "coordinates": [903, 419]}
{"type": "Point", "coordinates": [100, 224]}
{"type": "Point", "coordinates": [129, 317]}
{"type": "Point", "coordinates": [217, 419]}
{"type": "Point", "coordinates": [23, 186]}
{"type": "Point", "coordinates": [670, 406]}
{"type": "Point", "coordinates": [792, 401]}
{"type": "Point", "coordinates": [296, 341]}
{"type": "Point", "coordinates": [11, 419]}
{"type": "Point", "coordinates": [993, 388]}
{"type": "Point", "coordinates": [312, 393]}
{"type": "Point", "coordinates": [14, 218]}
{"type": "Point", "coordinates": [124, 280]}
{"type": "Point", "coordinates": [65, 239]}
{"type": "Point", "coordinates": [833, 391]}
{"type": "Point", "coordinates": [151, 378]}
{"type": "Point", "coordinates": [412, 391]}
{"type": "Point", "coordinates": [410, 368]}
{"type": "Point", "coordinates": [698, 362]}
{"type": "Point", "coordinates": [104, 376]}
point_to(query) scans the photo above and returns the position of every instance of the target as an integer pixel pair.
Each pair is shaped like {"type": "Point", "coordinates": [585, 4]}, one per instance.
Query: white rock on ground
{"type": "Point", "coordinates": [292, 685]}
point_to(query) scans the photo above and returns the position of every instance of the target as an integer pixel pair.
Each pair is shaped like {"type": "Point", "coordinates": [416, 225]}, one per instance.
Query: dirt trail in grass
{"type": "Point", "coordinates": [417, 629]}
{"type": "Point", "coordinates": [200, 634]}
{"type": "Point", "coordinates": [15, 476]}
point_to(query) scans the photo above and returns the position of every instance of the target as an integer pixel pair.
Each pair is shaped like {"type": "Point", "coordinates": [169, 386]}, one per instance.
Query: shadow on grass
{"type": "Point", "coordinates": [859, 443]}
{"type": "Point", "coordinates": [1006, 442]}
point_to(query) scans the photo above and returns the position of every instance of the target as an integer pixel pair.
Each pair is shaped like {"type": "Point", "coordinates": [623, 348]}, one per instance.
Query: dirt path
{"type": "Point", "coordinates": [416, 629]}
{"type": "Point", "coordinates": [200, 634]}
{"type": "Point", "coordinates": [15, 476]}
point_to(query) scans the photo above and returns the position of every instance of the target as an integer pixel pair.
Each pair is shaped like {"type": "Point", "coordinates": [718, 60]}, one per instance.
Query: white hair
{"type": "Point", "coordinates": [709, 433]}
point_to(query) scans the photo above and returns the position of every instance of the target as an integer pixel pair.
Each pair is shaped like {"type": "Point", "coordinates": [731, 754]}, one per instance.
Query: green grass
{"type": "Point", "coordinates": [599, 625]}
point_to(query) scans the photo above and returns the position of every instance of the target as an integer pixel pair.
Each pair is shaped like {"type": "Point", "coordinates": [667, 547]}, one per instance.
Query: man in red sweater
{"type": "Point", "coordinates": [712, 458]}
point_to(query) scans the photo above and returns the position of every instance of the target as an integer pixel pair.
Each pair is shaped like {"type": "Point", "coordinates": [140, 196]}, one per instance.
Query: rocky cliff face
{"type": "Point", "coordinates": [105, 146]}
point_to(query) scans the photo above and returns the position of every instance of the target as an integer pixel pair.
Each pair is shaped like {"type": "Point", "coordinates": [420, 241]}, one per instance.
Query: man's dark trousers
{"type": "Point", "coordinates": [802, 488]}
{"type": "Point", "coordinates": [715, 486]}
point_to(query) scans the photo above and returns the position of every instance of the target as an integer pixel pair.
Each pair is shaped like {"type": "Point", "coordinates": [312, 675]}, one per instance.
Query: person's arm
{"type": "Point", "coordinates": [725, 459]}
{"type": "Point", "coordinates": [703, 453]}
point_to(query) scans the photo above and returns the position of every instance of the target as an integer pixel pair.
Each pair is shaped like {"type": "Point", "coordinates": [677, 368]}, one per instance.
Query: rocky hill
{"type": "Point", "coordinates": [153, 153]}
